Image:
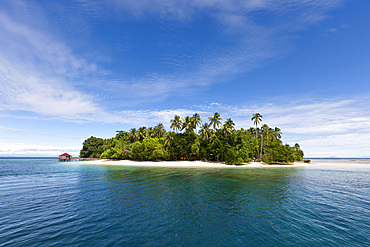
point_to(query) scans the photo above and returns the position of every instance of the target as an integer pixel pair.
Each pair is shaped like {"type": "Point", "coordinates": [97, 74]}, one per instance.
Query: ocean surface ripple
{"type": "Point", "coordinates": [46, 203]}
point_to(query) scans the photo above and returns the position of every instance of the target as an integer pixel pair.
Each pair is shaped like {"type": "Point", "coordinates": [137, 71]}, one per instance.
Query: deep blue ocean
{"type": "Point", "coordinates": [48, 203]}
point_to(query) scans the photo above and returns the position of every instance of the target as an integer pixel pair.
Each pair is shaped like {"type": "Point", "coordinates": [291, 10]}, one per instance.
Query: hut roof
{"type": "Point", "coordinates": [65, 154]}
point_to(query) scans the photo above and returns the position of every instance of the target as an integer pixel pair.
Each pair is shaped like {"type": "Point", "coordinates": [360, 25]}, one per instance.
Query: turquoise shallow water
{"type": "Point", "coordinates": [46, 203]}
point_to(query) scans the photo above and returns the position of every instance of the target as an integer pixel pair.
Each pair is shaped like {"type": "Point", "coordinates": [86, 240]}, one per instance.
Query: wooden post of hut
{"type": "Point", "coordinates": [65, 157]}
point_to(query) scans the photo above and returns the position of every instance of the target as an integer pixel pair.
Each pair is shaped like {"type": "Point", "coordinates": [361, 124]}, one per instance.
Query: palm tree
{"type": "Point", "coordinates": [176, 123]}
{"type": "Point", "coordinates": [215, 120]}
{"type": "Point", "coordinates": [278, 133]}
{"type": "Point", "coordinates": [168, 137]}
{"type": "Point", "coordinates": [228, 127]}
{"type": "Point", "coordinates": [187, 125]}
{"type": "Point", "coordinates": [256, 118]}
{"type": "Point", "coordinates": [159, 130]}
{"type": "Point", "coordinates": [264, 130]}
{"type": "Point", "coordinates": [230, 123]}
{"type": "Point", "coordinates": [205, 131]}
{"type": "Point", "coordinates": [215, 140]}
{"type": "Point", "coordinates": [268, 133]}
{"type": "Point", "coordinates": [297, 147]}
{"type": "Point", "coordinates": [196, 120]}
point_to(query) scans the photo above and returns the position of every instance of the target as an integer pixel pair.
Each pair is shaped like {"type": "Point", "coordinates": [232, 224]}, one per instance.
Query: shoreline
{"type": "Point", "coordinates": [190, 164]}
{"type": "Point", "coordinates": [204, 164]}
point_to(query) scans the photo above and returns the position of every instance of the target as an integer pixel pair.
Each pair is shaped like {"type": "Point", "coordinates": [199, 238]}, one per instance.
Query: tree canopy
{"type": "Point", "coordinates": [216, 141]}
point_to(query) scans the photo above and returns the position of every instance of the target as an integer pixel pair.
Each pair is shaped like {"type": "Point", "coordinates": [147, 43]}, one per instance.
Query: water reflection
{"type": "Point", "coordinates": [196, 202]}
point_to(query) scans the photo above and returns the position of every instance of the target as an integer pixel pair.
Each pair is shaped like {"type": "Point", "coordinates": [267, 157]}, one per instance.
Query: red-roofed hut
{"type": "Point", "coordinates": [65, 157]}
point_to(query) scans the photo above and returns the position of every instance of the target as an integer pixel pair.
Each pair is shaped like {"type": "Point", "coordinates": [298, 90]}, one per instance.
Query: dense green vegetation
{"type": "Point", "coordinates": [192, 140]}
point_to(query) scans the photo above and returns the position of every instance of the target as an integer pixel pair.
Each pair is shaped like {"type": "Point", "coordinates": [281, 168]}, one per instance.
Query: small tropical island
{"type": "Point", "coordinates": [191, 139]}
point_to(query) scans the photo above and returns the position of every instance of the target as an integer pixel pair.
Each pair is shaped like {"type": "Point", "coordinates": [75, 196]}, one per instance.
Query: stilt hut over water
{"type": "Point", "coordinates": [65, 157]}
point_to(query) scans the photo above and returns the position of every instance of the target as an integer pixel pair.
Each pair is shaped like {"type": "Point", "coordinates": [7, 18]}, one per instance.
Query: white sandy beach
{"type": "Point", "coordinates": [203, 164]}
{"type": "Point", "coordinates": [197, 164]}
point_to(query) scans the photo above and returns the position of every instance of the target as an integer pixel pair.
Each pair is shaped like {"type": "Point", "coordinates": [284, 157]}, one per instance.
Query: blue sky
{"type": "Point", "coordinates": [72, 69]}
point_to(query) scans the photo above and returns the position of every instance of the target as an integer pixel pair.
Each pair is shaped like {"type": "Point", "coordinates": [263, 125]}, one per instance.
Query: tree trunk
{"type": "Point", "coordinates": [256, 142]}
{"type": "Point", "coordinates": [261, 146]}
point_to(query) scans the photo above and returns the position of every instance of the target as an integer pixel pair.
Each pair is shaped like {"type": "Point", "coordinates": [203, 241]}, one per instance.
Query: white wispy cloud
{"type": "Point", "coordinates": [185, 10]}
{"type": "Point", "coordinates": [27, 149]}
{"type": "Point", "coordinates": [253, 44]}
{"type": "Point", "coordinates": [26, 90]}
{"type": "Point", "coordinates": [38, 68]}
{"type": "Point", "coordinates": [35, 68]}
{"type": "Point", "coordinates": [39, 50]}
{"type": "Point", "coordinates": [337, 145]}
{"type": "Point", "coordinates": [6, 129]}
{"type": "Point", "coordinates": [337, 29]}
